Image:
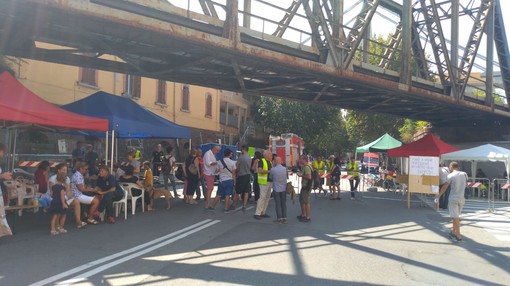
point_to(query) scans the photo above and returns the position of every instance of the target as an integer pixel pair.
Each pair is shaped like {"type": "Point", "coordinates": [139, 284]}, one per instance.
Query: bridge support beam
{"type": "Point", "coordinates": [406, 21]}
{"type": "Point", "coordinates": [454, 49]}
{"type": "Point", "coordinates": [489, 68]}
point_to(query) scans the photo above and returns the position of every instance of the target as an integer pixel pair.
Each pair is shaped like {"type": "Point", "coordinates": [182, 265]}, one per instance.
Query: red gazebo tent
{"type": "Point", "coordinates": [429, 145]}
{"type": "Point", "coordinates": [20, 105]}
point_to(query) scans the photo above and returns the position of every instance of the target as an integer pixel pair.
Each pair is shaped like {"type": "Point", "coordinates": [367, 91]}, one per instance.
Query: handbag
{"type": "Point", "coordinates": [193, 169]}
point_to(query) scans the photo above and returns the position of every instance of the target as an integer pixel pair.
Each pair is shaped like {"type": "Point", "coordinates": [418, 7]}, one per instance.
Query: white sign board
{"type": "Point", "coordinates": [423, 166]}
{"type": "Point", "coordinates": [62, 146]}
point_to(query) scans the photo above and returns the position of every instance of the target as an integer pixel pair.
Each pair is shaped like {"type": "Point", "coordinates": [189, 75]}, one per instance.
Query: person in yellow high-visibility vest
{"type": "Point", "coordinates": [353, 170]}
{"type": "Point", "coordinates": [330, 164]}
{"type": "Point", "coordinates": [320, 167]}
{"type": "Point", "coordinates": [265, 183]}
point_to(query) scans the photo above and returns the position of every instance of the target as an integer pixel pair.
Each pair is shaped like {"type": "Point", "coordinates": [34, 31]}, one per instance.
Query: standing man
{"type": "Point", "coordinates": [279, 175]}
{"type": "Point", "coordinates": [306, 188]}
{"type": "Point", "coordinates": [210, 168]}
{"type": "Point", "coordinates": [265, 185]}
{"type": "Point", "coordinates": [320, 169]}
{"type": "Point", "coordinates": [227, 169]}
{"type": "Point", "coordinates": [330, 164]}
{"type": "Point", "coordinates": [4, 226]}
{"type": "Point", "coordinates": [78, 153]}
{"type": "Point", "coordinates": [443, 176]}
{"type": "Point", "coordinates": [457, 180]}
{"type": "Point", "coordinates": [157, 158]}
{"type": "Point", "coordinates": [168, 167]}
{"type": "Point", "coordinates": [353, 170]}
{"type": "Point", "coordinates": [243, 186]}
{"type": "Point", "coordinates": [92, 159]}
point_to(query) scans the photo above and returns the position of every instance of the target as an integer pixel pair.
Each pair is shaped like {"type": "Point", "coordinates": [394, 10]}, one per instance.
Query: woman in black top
{"type": "Point", "coordinates": [192, 177]}
{"type": "Point", "coordinates": [129, 178]}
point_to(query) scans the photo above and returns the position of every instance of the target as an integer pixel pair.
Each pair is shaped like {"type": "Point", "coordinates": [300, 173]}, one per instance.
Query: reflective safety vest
{"type": "Point", "coordinates": [330, 166]}
{"type": "Point", "coordinates": [319, 167]}
{"type": "Point", "coordinates": [353, 170]}
{"type": "Point", "coordinates": [138, 155]}
{"type": "Point", "coordinates": [262, 178]}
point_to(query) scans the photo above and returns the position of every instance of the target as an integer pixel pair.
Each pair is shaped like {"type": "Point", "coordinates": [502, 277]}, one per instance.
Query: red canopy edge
{"type": "Point", "coordinates": [429, 145]}
{"type": "Point", "coordinates": [19, 104]}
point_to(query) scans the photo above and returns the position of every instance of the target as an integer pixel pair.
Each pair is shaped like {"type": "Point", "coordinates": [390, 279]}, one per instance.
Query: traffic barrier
{"type": "Point", "coordinates": [35, 163]}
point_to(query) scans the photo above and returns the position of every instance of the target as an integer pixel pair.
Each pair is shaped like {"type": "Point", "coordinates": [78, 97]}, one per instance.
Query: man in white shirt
{"type": "Point", "coordinates": [227, 169]}
{"type": "Point", "coordinates": [457, 180]}
{"type": "Point", "coordinates": [210, 170]}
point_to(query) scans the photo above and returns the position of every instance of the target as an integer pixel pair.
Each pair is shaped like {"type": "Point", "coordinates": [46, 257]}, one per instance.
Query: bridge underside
{"type": "Point", "coordinates": [171, 47]}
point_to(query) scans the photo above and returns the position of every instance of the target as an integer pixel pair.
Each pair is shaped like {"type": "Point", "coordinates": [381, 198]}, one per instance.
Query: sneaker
{"type": "Point", "coordinates": [284, 221]}
{"type": "Point", "coordinates": [305, 220]}
{"type": "Point", "coordinates": [452, 236]}
{"type": "Point", "coordinates": [82, 224]}
{"type": "Point", "coordinates": [211, 209]}
{"type": "Point", "coordinates": [257, 217]}
{"type": "Point", "coordinates": [226, 211]}
{"type": "Point", "coordinates": [265, 216]}
{"type": "Point", "coordinates": [279, 221]}
{"type": "Point", "coordinates": [300, 217]}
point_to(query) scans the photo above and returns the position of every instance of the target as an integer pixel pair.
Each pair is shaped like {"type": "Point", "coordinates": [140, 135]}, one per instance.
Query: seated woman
{"type": "Point", "coordinates": [149, 187]}
{"type": "Point", "coordinates": [109, 191]}
{"type": "Point", "coordinates": [41, 177]}
{"type": "Point", "coordinates": [78, 188]}
{"type": "Point", "coordinates": [128, 177]}
{"type": "Point", "coordinates": [70, 200]}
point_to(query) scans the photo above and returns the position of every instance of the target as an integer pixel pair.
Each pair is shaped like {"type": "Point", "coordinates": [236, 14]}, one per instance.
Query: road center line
{"type": "Point", "coordinates": [119, 254]}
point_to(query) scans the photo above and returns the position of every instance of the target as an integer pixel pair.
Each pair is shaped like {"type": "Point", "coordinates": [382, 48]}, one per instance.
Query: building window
{"type": "Point", "coordinates": [88, 76]}
{"type": "Point", "coordinates": [185, 98]}
{"type": "Point", "coordinates": [208, 105]}
{"type": "Point", "coordinates": [132, 86]}
{"type": "Point", "coordinates": [161, 92]}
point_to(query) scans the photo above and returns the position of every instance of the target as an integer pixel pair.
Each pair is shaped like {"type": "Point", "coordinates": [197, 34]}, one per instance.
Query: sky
{"type": "Point", "coordinates": [383, 22]}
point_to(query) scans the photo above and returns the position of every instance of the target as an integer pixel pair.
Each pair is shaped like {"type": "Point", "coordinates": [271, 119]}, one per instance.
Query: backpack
{"type": "Point", "coordinates": [166, 166]}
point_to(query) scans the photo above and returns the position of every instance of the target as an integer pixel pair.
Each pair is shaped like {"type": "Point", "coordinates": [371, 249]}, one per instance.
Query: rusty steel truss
{"type": "Point", "coordinates": [308, 50]}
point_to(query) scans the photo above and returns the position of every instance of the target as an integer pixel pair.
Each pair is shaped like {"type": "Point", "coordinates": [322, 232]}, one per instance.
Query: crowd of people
{"type": "Point", "coordinates": [258, 178]}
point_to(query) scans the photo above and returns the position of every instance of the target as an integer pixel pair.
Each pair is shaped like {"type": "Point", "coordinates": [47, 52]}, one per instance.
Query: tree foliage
{"type": "Point", "coordinates": [309, 121]}
{"type": "Point", "coordinates": [365, 127]}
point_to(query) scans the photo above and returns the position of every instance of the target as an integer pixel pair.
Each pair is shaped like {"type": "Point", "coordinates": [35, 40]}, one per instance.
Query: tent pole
{"type": "Point", "coordinates": [106, 147]}
{"type": "Point", "coordinates": [113, 140]}
{"type": "Point", "coordinates": [14, 148]}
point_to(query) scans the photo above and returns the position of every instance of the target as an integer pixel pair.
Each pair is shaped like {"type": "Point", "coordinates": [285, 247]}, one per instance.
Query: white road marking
{"type": "Point", "coordinates": [138, 250]}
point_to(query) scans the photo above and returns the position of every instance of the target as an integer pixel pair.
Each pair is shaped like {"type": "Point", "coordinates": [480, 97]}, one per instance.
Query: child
{"type": "Point", "coordinates": [58, 206]}
{"type": "Point", "coordinates": [148, 179]}
{"type": "Point", "coordinates": [149, 187]}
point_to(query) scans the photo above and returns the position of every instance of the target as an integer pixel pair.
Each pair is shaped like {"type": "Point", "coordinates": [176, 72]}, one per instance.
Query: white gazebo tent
{"type": "Point", "coordinates": [487, 152]}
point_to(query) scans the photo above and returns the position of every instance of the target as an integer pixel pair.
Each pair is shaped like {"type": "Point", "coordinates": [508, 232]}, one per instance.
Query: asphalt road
{"type": "Point", "coordinates": [375, 241]}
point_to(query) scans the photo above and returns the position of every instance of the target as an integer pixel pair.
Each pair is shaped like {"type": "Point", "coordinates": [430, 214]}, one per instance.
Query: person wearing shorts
{"type": "Point", "coordinates": [70, 200]}
{"type": "Point", "coordinates": [78, 188]}
{"type": "Point", "coordinates": [210, 168]}
{"type": "Point", "coordinates": [457, 181]}
{"type": "Point", "coordinates": [227, 179]}
{"type": "Point", "coordinates": [243, 183]}
{"type": "Point", "coordinates": [306, 188]}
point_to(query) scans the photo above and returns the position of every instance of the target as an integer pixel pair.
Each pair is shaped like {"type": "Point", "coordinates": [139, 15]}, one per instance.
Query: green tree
{"type": "Point", "coordinates": [310, 121]}
{"type": "Point", "coordinates": [365, 127]}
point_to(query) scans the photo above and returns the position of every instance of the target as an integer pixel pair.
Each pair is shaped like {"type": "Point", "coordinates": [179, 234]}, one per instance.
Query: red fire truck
{"type": "Point", "coordinates": [288, 146]}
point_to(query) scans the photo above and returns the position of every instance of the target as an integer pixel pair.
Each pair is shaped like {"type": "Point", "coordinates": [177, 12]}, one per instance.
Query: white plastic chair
{"type": "Point", "coordinates": [121, 204]}
{"type": "Point", "coordinates": [17, 190]}
{"type": "Point", "coordinates": [129, 187]}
